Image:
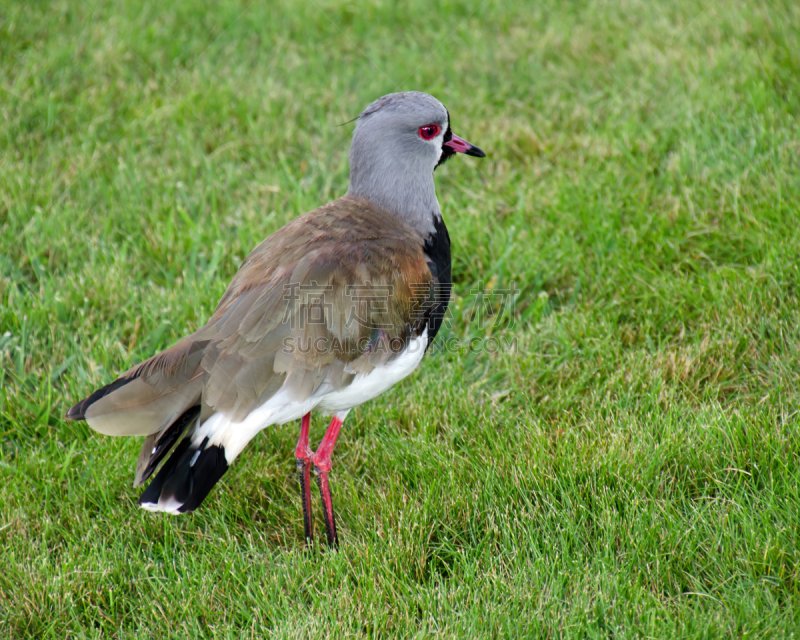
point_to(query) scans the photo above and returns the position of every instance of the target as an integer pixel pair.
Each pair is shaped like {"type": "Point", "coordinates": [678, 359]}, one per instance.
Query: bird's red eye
{"type": "Point", "coordinates": [429, 131]}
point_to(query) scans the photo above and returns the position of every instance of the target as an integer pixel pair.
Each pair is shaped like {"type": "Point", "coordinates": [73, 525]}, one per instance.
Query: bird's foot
{"type": "Point", "coordinates": [304, 457]}
{"type": "Point", "coordinates": [321, 460]}
{"type": "Point", "coordinates": [322, 471]}
{"type": "Point", "coordinates": [304, 475]}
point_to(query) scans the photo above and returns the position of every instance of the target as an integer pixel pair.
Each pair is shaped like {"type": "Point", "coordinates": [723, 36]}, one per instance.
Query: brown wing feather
{"type": "Point", "coordinates": [305, 297]}
{"type": "Point", "coordinates": [299, 312]}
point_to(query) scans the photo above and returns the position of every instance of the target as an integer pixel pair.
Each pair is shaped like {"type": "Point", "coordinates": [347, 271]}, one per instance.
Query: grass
{"type": "Point", "coordinates": [628, 468]}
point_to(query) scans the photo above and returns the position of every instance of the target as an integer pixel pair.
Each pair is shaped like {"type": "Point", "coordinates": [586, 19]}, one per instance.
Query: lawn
{"type": "Point", "coordinates": [621, 461]}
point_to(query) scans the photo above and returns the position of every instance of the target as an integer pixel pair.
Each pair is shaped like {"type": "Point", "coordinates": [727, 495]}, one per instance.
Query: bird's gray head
{"type": "Point", "coordinates": [398, 142]}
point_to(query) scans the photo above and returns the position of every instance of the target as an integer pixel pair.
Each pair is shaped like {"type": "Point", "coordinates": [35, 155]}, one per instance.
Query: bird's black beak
{"type": "Point", "coordinates": [459, 145]}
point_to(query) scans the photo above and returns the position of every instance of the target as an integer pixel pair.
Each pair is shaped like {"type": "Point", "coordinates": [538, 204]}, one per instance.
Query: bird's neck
{"type": "Point", "coordinates": [411, 196]}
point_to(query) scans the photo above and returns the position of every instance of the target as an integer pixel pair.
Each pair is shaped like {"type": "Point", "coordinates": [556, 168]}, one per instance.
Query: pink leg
{"type": "Point", "coordinates": [304, 455]}
{"type": "Point", "coordinates": [322, 466]}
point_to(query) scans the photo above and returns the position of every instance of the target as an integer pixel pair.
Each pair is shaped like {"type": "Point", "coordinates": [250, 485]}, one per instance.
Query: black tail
{"type": "Point", "coordinates": [157, 446]}
{"type": "Point", "coordinates": [186, 478]}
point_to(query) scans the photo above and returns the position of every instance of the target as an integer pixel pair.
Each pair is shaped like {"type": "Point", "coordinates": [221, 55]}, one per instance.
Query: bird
{"type": "Point", "coordinates": [328, 312]}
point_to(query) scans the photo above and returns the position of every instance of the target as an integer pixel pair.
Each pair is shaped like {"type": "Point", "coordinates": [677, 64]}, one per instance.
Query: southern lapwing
{"type": "Point", "coordinates": [328, 312]}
